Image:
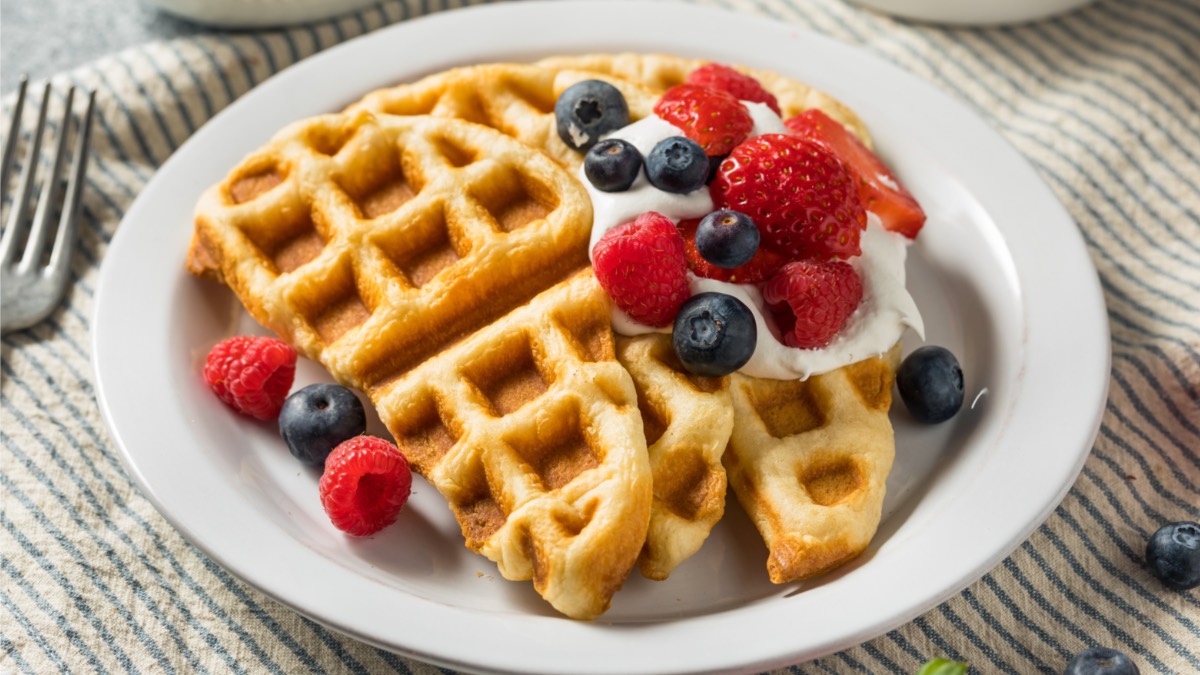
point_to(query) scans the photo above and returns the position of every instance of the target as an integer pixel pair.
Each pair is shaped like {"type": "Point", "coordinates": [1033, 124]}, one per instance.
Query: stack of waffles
{"type": "Point", "coordinates": [428, 246]}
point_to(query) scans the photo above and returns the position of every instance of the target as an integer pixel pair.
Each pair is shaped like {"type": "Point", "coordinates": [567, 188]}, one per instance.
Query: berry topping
{"type": "Point", "coordinates": [760, 267]}
{"type": "Point", "coordinates": [612, 165]}
{"type": "Point", "coordinates": [741, 86]}
{"type": "Point", "coordinates": [800, 195]}
{"type": "Point", "coordinates": [930, 382]}
{"type": "Point", "coordinates": [714, 334]}
{"type": "Point", "coordinates": [587, 110]}
{"type": "Point", "coordinates": [365, 484]}
{"type": "Point", "coordinates": [711, 117]}
{"type": "Point", "coordinates": [1173, 555]}
{"type": "Point", "coordinates": [811, 300]}
{"type": "Point", "coordinates": [727, 238]}
{"type": "Point", "coordinates": [1101, 661]}
{"type": "Point", "coordinates": [677, 164]}
{"type": "Point", "coordinates": [641, 265]}
{"type": "Point", "coordinates": [251, 374]}
{"type": "Point", "coordinates": [879, 190]}
{"type": "Point", "coordinates": [315, 419]}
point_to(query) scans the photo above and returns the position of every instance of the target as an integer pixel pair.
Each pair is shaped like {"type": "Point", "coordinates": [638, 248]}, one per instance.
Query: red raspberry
{"type": "Point", "coordinates": [251, 374]}
{"type": "Point", "coordinates": [800, 195]}
{"type": "Point", "coordinates": [713, 118]}
{"type": "Point", "coordinates": [365, 484]}
{"type": "Point", "coordinates": [878, 188]}
{"type": "Point", "coordinates": [760, 268]}
{"type": "Point", "coordinates": [811, 300]}
{"type": "Point", "coordinates": [642, 266]}
{"type": "Point", "coordinates": [741, 86]}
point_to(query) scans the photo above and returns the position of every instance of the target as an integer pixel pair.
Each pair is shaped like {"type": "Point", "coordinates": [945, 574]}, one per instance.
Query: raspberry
{"type": "Point", "coordinates": [760, 268]}
{"type": "Point", "coordinates": [811, 300]}
{"type": "Point", "coordinates": [713, 118]}
{"type": "Point", "coordinates": [251, 374]}
{"type": "Point", "coordinates": [365, 485]}
{"type": "Point", "coordinates": [801, 196]}
{"type": "Point", "coordinates": [641, 265]}
{"type": "Point", "coordinates": [741, 86]}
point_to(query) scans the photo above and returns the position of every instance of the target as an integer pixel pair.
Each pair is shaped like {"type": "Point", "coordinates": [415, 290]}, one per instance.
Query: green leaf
{"type": "Point", "coordinates": [940, 666]}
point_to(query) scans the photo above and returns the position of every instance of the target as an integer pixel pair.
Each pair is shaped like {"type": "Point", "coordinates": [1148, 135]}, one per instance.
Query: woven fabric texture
{"type": "Point", "coordinates": [1104, 102]}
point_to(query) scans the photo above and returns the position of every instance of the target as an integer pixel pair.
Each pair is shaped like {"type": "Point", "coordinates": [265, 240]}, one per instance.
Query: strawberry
{"type": "Point", "coordinates": [811, 300]}
{"type": "Point", "coordinates": [741, 86]}
{"type": "Point", "coordinates": [251, 374]}
{"type": "Point", "coordinates": [713, 118]}
{"type": "Point", "coordinates": [760, 268]}
{"type": "Point", "coordinates": [365, 484]}
{"type": "Point", "coordinates": [641, 264]}
{"type": "Point", "coordinates": [799, 193]}
{"type": "Point", "coordinates": [878, 189]}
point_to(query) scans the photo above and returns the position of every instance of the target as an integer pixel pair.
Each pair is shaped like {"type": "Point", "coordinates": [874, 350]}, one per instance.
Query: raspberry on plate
{"type": "Point", "coordinates": [798, 192]}
{"type": "Point", "coordinates": [811, 300]}
{"type": "Point", "coordinates": [741, 86]}
{"type": "Point", "coordinates": [879, 190]}
{"type": "Point", "coordinates": [366, 483]}
{"type": "Point", "coordinates": [711, 117]}
{"type": "Point", "coordinates": [251, 374]}
{"type": "Point", "coordinates": [642, 267]}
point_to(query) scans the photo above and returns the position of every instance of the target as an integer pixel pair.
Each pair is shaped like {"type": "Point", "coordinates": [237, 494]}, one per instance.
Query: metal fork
{"type": "Point", "coordinates": [32, 285]}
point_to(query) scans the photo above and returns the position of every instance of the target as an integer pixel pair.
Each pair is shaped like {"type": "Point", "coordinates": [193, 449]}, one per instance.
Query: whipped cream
{"type": "Point", "coordinates": [878, 322]}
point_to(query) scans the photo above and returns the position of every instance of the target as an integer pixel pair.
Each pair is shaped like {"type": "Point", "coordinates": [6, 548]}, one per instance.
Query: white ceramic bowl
{"type": "Point", "coordinates": [257, 13]}
{"type": "Point", "coordinates": [973, 12]}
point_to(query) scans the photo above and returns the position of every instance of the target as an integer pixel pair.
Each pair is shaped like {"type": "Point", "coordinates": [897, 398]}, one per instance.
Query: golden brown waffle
{"type": "Point", "coordinates": [688, 419]}
{"type": "Point", "coordinates": [516, 99]}
{"type": "Point", "coordinates": [808, 460]}
{"type": "Point", "coordinates": [441, 267]}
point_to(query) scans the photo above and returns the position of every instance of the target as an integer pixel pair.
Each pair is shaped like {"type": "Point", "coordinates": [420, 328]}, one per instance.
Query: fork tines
{"type": "Point", "coordinates": [37, 273]}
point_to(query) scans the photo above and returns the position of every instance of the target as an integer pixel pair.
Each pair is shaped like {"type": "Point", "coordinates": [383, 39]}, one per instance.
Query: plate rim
{"type": "Point", "coordinates": [776, 655]}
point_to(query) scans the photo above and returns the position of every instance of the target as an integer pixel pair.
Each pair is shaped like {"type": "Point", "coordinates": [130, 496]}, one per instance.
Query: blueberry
{"type": "Point", "coordinates": [727, 238]}
{"type": "Point", "coordinates": [714, 334]}
{"type": "Point", "coordinates": [612, 165]}
{"type": "Point", "coordinates": [677, 164]}
{"type": "Point", "coordinates": [1101, 661]}
{"type": "Point", "coordinates": [931, 384]}
{"type": "Point", "coordinates": [587, 110]}
{"type": "Point", "coordinates": [1173, 555]}
{"type": "Point", "coordinates": [315, 419]}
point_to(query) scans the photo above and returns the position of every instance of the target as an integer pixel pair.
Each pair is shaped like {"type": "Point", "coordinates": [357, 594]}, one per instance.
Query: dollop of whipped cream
{"type": "Point", "coordinates": [878, 322]}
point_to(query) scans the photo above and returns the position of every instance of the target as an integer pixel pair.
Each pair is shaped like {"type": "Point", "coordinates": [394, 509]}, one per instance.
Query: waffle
{"type": "Point", "coordinates": [441, 267]}
{"type": "Point", "coordinates": [808, 460]}
{"type": "Point", "coordinates": [516, 99]}
{"type": "Point", "coordinates": [688, 420]}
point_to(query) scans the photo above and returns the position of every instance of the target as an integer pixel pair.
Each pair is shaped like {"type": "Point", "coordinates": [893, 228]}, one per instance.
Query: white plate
{"type": "Point", "coordinates": [999, 272]}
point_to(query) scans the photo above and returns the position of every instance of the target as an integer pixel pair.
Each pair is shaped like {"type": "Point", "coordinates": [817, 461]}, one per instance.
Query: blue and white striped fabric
{"type": "Point", "coordinates": [1106, 104]}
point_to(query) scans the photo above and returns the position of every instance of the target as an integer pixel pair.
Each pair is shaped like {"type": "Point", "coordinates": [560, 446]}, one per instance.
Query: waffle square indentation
{"type": "Point", "coordinates": [509, 376]}
{"type": "Point", "coordinates": [790, 407]}
{"type": "Point", "coordinates": [515, 200]}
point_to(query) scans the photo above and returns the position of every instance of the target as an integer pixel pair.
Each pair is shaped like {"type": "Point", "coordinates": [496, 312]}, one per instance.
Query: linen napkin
{"type": "Point", "coordinates": [1104, 101]}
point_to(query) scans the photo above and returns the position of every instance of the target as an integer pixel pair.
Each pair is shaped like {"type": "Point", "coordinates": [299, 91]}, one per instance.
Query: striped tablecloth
{"type": "Point", "coordinates": [1106, 104]}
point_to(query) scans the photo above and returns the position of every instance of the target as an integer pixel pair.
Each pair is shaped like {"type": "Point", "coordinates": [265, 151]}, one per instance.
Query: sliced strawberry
{"type": "Point", "coordinates": [879, 190]}
{"type": "Point", "coordinates": [798, 192]}
{"type": "Point", "coordinates": [760, 268]}
{"type": "Point", "coordinates": [713, 118]}
{"type": "Point", "coordinates": [741, 86]}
